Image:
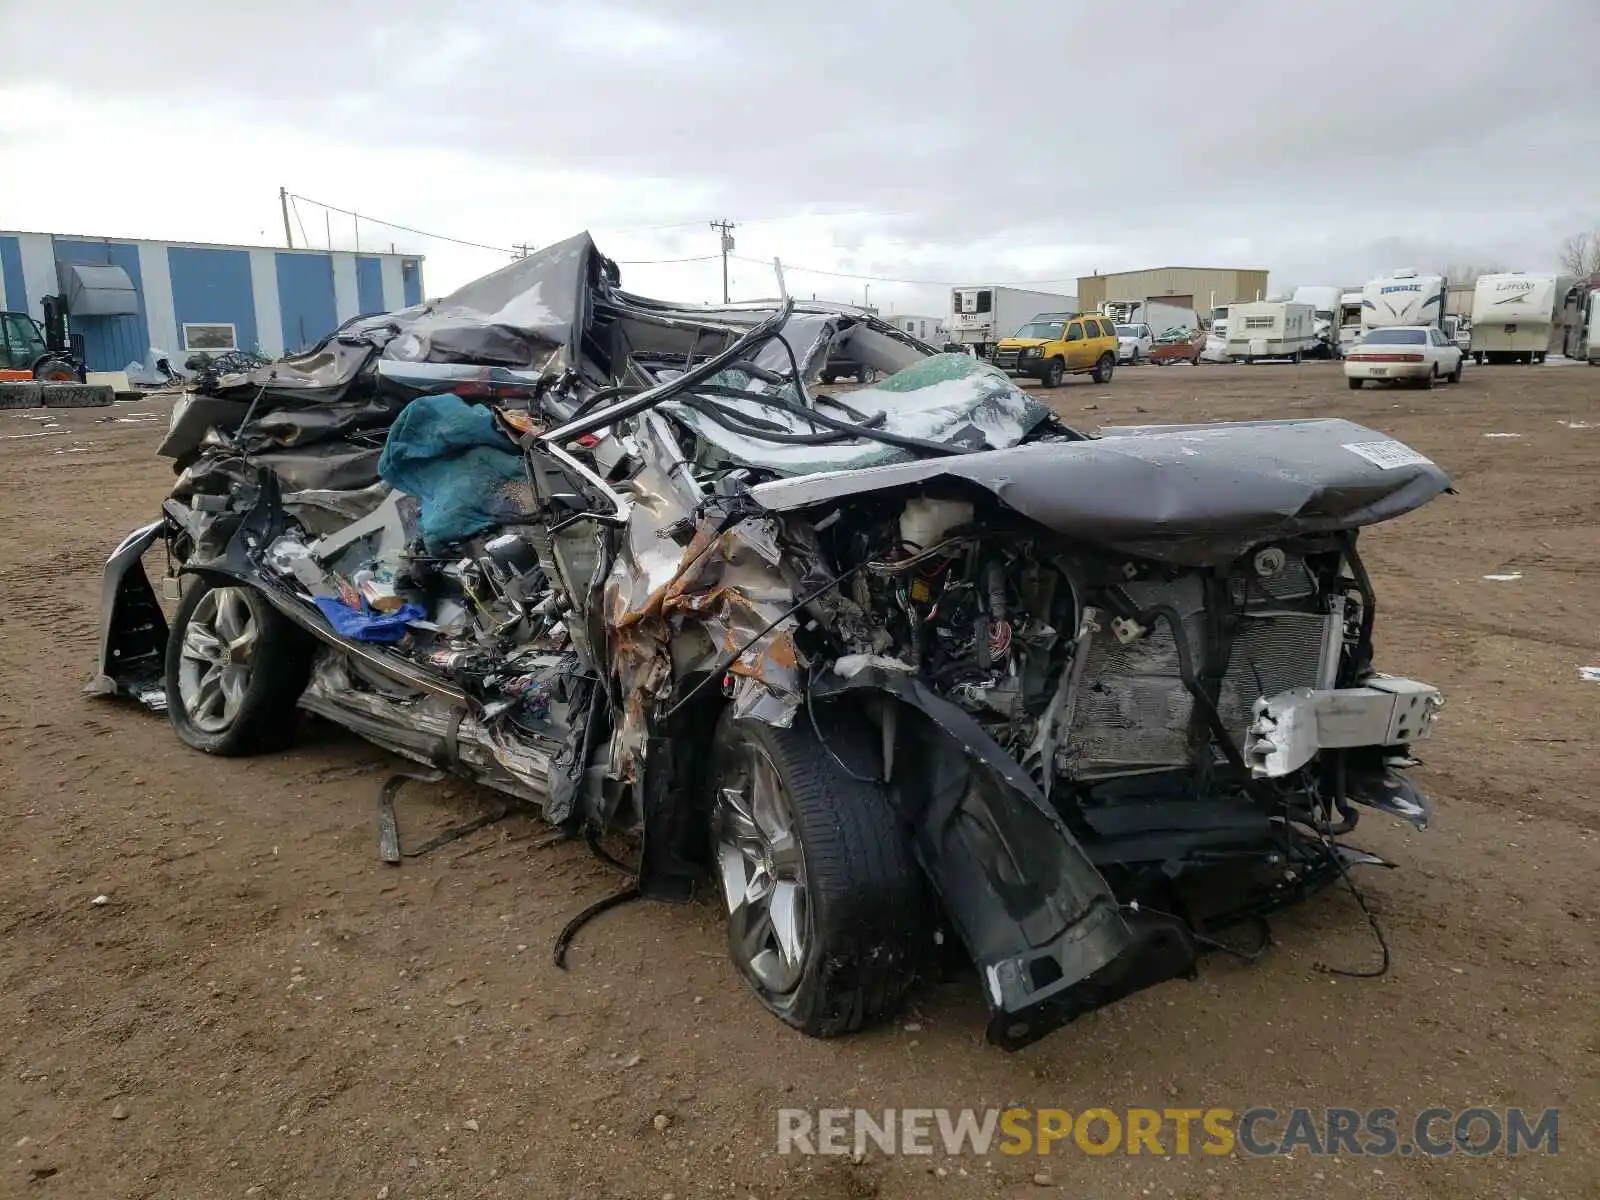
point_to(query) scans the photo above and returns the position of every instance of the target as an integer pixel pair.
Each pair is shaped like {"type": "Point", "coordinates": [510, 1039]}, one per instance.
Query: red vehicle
{"type": "Point", "coordinates": [1164, 353]}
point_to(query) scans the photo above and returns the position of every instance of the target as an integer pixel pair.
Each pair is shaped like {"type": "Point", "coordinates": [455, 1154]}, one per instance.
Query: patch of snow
{"type": "Point", "coordinates": [1503, 435]}
{"type": "Point", "coordinates": [1589, 674]}
{"type": "Point", "coordinates": [1514, 575]}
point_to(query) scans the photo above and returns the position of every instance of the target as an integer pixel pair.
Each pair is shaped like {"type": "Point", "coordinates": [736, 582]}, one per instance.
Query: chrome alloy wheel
{"type": "Point", "coordinates": [217, 655]}
{"type": "Point", "coordinates": [762, 868]}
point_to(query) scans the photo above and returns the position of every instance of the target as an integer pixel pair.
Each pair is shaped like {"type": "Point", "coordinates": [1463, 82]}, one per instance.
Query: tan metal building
{"type": "Point", "coordinates": [1198, 288]}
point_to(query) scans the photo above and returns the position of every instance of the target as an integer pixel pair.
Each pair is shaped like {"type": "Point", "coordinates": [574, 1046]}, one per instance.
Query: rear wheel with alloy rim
{"type": "Point", "coordinates": [822, 891]}
{"type": "Point", "coordinates": [235, 668]}
{"type": "Point", "coordinates": [1104, 368]}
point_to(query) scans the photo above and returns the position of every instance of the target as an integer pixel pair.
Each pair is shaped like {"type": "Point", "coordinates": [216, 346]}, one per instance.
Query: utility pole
{"type": "Point", "coordinates": [521, 248]}
{"type": "Point", "coordinates": [727, 227]}
{"type": "Point", "coordinates": [283, 200]}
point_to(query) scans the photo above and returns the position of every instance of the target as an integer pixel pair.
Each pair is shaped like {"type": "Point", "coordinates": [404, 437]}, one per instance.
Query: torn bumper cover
{"type": "Point", "coordinates": [1048, 936]}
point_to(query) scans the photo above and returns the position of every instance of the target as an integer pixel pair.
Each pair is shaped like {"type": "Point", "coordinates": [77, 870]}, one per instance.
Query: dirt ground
{"type": "Point", "coordinates": [262, 1008]}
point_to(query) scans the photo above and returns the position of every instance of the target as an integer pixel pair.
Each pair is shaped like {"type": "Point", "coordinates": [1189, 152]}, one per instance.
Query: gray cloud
{"type": "Point", "coordinates": [1024, 139]}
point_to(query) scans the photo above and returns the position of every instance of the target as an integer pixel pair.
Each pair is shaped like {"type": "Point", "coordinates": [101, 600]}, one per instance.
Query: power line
{"type": "Point", "coordinates": [787, 266]}
{"type": "Point", "coordinates": [656, 262]}
{"type": "Point", "coordinates": [407, 228]}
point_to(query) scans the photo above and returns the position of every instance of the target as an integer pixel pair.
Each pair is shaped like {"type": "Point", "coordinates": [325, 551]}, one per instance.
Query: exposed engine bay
{"type": "Point", "coordinates": [627, 562]}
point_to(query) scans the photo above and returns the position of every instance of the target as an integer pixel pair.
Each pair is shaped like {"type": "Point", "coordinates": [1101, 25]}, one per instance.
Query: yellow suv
{"type": "Point", "coordinates": [1054, 345]}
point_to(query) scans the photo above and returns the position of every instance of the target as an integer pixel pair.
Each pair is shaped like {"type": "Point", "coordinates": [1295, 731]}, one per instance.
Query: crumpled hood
{"type": "Point", "coordinates": [1196, 495]}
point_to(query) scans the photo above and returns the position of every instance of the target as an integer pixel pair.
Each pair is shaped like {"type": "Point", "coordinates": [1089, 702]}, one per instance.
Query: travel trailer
{"type": "Point", "coordinates": [1324, 303]}
{"type": "Point", "coordinates": [1518, 317]}
{"type": "Point", "coordinates": [1591, 323]}
{"type": "Point", "coordinates": [1404, 298]}
{"type": "Point", "coordinates": [1270, 329]}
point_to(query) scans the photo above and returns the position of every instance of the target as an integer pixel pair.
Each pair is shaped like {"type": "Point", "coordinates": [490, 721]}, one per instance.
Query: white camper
{"type": "Point", "coordinates": [982, 314]}
{"type": "Point", "coordinates": [1404, 298]}
{"type": "Point", "coordinates": [1349, 321]}
{"type": "Point", "coordinates": [1324, 302]}
{"type": "Point", "coordinates": [1591, 326]}
{"type": "Point", "coordinates": [1515, 317]}
{"type": "Point", "coordinates": [1270, 329]}
{"type": "Point", "coordinates": [932, 330]}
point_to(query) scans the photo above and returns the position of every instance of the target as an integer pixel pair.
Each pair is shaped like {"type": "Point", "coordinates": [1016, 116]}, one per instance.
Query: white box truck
{"type": "Point", "coordinates": [1404, 298]}
{"type": "Point", "coordinates": [1270, 329]}
{"type": "Point", "coordinates": [982, 314]}
{"type": "Point", "coordinates": [1517, 317]}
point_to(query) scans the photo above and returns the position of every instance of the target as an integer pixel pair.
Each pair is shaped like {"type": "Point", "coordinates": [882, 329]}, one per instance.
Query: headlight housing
{"type": "Point", "coordinates": [1031, 352]}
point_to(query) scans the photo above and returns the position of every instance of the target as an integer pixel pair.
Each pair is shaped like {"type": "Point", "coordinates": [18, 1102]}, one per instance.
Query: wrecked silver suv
{"type": "Point", "coordinates": [910, 661]}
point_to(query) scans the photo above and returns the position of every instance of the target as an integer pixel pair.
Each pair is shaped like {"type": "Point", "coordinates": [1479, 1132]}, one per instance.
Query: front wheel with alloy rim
{"type": "Point", "coordinates": [1054, 372]}
{"type": "Point", "coordinates": [235, 669]}
{"type": "Point", "coordinates": [1104, 368]}
{"type": "Point", "coordinates": [823, 893]}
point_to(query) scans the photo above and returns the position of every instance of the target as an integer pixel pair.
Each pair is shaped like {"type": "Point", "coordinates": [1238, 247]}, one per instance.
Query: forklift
{"type": "Point", "coordinates": [29, 351]}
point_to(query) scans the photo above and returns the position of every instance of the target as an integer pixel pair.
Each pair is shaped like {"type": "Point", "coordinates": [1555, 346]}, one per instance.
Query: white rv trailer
{"type": "Point", "coordinates": [1518, 317]}
{"type": "Point", "coordinates": [1270, 329]}
{"type": "Point", "coordinates": [1349, 321]}
{"type": "Point", "coordinates": [982, 314]}
{"type": "Point", "coordinates": [1591, 325]}
{"type": "Point", "coordinates": [1324, 303]}
{"type": "Point", "coordinates": [1404, 298]}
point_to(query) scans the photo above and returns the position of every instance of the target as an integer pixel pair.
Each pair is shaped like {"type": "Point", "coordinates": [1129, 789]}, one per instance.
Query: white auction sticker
{"type": "Point", "coordinates": [1388, 454]}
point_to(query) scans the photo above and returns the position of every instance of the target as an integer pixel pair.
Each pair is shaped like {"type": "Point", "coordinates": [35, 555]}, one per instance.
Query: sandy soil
{"type": "Point", "coordinates": [263, 1009]}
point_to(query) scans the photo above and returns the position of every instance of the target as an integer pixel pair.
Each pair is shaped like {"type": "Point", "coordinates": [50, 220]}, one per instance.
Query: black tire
{"type": "Point", "coordinates": [55, 369]}
{"type": "Point", "coordinates": [1355, 384]}
{"type": "Point", "coordinates": [863, 894]}
{"type": "Point", "coordinates": [19, 395]}
{"type": "Point", "coordinates": [75, 395]}
{"type": "Point", "coordinates": [1461, 364]}
{"type": "Point", "coordinates": [280, 662]}
{"type": "Point", "coordinates": [827, 377]}
{"type": "Point", "coordinates": [1428, 383]}
{"type": "Point", "coordinates": [1133, 359]}
{"type": "Point", "coordinates": [1055, 371]}
{"type": "Point", "coordinates": [1538, 357]}
{"type": "Point", "coordinates": [1104, 368]}
{"type": "Point", "coordinates": [864, 375]}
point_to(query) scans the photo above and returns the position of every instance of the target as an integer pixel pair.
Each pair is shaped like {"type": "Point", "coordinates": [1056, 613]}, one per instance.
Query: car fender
{"type": "Point", "coordinates": [1040, 922]}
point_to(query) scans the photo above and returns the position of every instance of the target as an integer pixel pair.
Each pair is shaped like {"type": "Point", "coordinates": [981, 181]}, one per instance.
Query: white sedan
{"type": "Point", "coordinates": [1419, 354]}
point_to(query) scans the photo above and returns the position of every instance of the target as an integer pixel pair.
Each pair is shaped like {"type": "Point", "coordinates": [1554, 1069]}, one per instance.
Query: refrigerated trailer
{"type": "Point", "coordinates": [982, 314]}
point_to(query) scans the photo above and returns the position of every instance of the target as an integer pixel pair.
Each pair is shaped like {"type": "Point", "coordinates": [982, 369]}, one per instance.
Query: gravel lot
{"type": "Point", "coordinates": [261, 1008]}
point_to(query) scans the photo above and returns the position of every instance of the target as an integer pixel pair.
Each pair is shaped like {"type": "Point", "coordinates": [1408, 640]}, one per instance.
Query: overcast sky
{"type": "Point", "coordinates": [938, 141]}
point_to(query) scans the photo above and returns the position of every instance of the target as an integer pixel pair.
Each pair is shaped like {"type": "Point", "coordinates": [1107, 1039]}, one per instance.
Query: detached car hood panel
{"type": "Point", "coordinates": [1196, 495]}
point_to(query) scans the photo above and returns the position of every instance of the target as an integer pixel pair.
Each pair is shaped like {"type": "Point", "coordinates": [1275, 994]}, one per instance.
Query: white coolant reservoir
{"type": "Point", "coordinates": [925, 521]}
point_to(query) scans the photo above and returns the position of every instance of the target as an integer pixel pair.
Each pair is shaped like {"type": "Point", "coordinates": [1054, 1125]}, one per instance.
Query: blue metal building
{"type": "Point", "coordinates": [126, 295]}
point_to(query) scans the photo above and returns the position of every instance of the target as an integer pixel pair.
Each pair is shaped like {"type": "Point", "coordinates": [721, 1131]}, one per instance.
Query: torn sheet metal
{"type": "Point", "coordinates": [949, 398]}
{"type": "Point", "coordinates": [1196, 495]}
